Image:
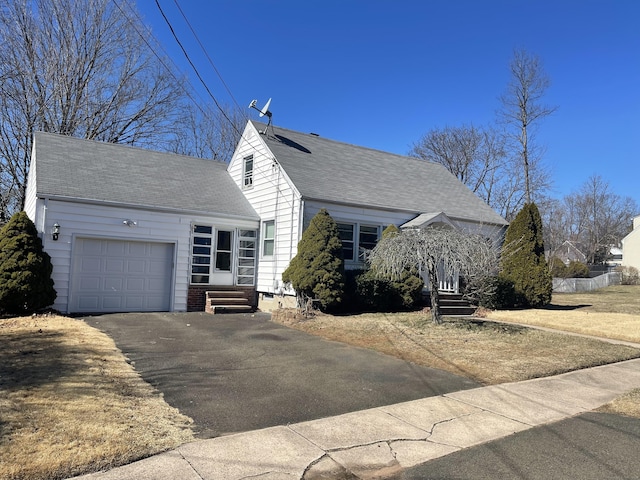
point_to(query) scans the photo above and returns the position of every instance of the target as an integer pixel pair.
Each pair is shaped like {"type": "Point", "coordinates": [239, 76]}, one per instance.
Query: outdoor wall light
{"type": "Point", "coordinates": [129, 223]}
{"type": "Point", "coordinates": [55, 233]}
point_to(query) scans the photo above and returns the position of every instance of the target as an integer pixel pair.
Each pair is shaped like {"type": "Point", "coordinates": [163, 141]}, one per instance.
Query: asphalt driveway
{"type": "Point", "coordinates": [240, 372]}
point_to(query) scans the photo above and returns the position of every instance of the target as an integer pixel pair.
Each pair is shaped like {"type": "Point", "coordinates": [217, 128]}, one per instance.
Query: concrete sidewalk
{"type": "Point", "coordinates": [383, 441]}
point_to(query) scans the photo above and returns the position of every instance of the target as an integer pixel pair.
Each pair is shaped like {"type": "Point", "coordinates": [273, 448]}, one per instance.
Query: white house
{"type": "Point", "coordinates": [631, 246]}
{"type": "Point", "coordinates": [289, 176]}
{"type": "Point", "coordinates": [129, 229]}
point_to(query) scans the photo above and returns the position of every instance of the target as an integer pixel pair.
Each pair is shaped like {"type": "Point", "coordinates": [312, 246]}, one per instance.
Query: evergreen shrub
{"type": "Point", "coordinates": [577, 270]}
{"type": "Point", "coordinates": [25, 268]}
{"type": "Point", "coordinates": [523, 260]}
{"type": "Point", "coordinates": [317, 271]}
{"type": "Point", "coordinates": [495, 292]}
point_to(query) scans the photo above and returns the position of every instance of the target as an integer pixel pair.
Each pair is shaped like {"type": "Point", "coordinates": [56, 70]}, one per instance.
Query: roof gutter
{"type": "Point", "coordinates": [88, 201]}
{"type": "Point", "coordinates": [389, 209]}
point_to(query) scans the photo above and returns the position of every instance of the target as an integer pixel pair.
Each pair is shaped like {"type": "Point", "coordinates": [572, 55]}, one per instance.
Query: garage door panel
{"type": "Point", "coordinates": [89, 284]}
{"type": "Point", "coordinates": [155, 284]}
{"type": "Point", "coordinates": [113, 284]}
{"type": "Point", "coordinates": [155, 304]}
{"type": "Point", "coordinates": [93, 248]}
{"type": "Point", "coordinates": [89, 303]}
{"type": "Point", "coordinates": [134, 303]}
{"type": "Point", "coordinates": [114, 265]}
{"type": "Point", "coordinates": [115, 248]}
{"type": "Point", "coordinates": [112, 303]}
{"type": "Point", "coordinates": [90, 264]}
{"type": "Point", "coordinates": [135, 285]}
{"type": "Point", "coordinates": [156, 268]}
{"type": "Point", "coordinates": [116, 275]}
{"type": "Point", "coordinates": [138, 249]}
{"type": "Point", "coordinates": [138, 266]}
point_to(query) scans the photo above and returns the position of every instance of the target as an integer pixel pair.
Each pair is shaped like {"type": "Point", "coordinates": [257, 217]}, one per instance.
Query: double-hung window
{"type": "Point", "coordinates": [247, 174]}
{"type": "Point", "coordinates": [367, 239]}
{"type": "Point", "coordinates": [345, 231]}
{"type": "Point", "coordinates": [357, 238]}
{"type": "Point", "coordinates": [268, 238]}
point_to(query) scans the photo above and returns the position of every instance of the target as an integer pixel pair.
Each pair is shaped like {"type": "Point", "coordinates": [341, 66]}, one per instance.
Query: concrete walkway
{"type": "Point", "coordinates": [381, 442]}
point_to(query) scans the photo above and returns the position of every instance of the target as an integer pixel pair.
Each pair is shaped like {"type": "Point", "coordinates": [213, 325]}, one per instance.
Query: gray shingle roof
{"type": "Point", "coordinates": [96, 171]}
{"type": "Point", "coordinates": [328, 170]}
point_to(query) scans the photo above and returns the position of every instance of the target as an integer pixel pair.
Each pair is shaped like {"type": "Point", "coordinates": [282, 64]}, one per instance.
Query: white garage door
{"type": "Point", "coordinates": [120, 276]}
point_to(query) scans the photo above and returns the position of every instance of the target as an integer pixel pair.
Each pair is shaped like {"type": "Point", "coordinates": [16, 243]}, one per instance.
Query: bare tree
{"type": "Point", "coordinates": [206, 132]}
{"type": "Point", "coordinates": [522, 111]}
{"type": "Point", "coordinates": [468, 254]}
{"type": "Point", "coordinates": [593, 219]}
{"type": "Point", "coordinates": [600, 217]}
{"type": "Point", "coordinates": [478, 157]}
{"type": "Point", "coordinates": [556, 222]}
{"type": "Point", "coordinates": [79, 68]}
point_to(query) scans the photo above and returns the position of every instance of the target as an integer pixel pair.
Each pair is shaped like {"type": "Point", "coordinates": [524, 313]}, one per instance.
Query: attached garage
{"type": "Point", "coordinates": [120, 223]}
{"type": "Point", "coordinates": [111, 275]}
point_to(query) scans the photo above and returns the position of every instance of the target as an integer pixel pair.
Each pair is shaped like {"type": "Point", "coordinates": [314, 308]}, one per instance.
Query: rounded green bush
{"type": "Point", "coordinates": [25, 268]}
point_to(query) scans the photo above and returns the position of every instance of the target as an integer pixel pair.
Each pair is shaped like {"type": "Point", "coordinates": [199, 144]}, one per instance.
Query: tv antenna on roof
{"type": "Point", "coordinates": [264, 111]}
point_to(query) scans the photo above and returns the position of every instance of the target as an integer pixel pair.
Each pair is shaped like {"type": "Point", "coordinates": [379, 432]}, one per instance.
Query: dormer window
{"type": "Point", "coordinates": [248, 172]}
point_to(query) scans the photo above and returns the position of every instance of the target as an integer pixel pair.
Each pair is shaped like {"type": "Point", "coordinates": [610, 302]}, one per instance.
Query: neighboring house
{"type": "Point", "coordinates": [568, 252]}
{"type": "Point", "coordinates": [130, 229]}
{"type": "Point", "coordinates": [614, 259]}
{"type": "Point", "coordinates": [289, 176]}
{"type": "Point", "coordinates": [631, 246]}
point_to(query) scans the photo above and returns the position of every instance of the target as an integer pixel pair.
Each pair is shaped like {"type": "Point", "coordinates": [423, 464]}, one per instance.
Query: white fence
{"type": "Point", "coordinates": [572, 285]}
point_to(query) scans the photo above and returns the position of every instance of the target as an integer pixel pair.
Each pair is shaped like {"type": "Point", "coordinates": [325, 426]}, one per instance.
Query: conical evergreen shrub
{"type": "Point", "coordinates": [25, 268]}
{"type": "Point", "coordinates": [523, 260]}
{"type": "Point", "coordinates": [317, 271]}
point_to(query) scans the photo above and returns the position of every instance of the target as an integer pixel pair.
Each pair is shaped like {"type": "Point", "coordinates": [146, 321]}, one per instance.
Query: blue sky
{"type": "Point", "coordinates": [382, 73]}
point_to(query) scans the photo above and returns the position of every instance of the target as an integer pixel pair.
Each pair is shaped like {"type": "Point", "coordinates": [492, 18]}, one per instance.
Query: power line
{"type": "Point", "coordinates": [170, 71]}
{"type": "Point", "coordinates": [206, 87]}
{"type": "Point", "coordinates": [195, 35]}
{"type": "Point", "coordinates": [134, 25]}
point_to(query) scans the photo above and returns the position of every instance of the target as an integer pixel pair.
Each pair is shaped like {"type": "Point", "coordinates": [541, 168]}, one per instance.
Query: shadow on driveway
{"type": "Point", "coordinates": [240, 372]}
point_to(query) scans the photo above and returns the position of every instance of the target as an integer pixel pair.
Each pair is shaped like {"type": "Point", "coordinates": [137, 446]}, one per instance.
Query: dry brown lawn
{"type": "Point", "coordinates": [485, 351]}
{"type": "Point", "coordinates": [612, 312]}
{"type": "Point", "coordinates": [492, 352]}
{"type": "Point", "coordinates": [70, 403]}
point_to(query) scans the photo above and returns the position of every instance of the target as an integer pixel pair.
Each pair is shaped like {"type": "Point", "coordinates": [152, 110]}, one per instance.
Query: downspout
{"type": "Point", "coordinates": [44, 219]}
{"type": "Point", "coordinates": [275, 239]}
{"type": "Point", "coordinates": [291, 239]}
{"type": "Point", "coordinates": [301, 221]}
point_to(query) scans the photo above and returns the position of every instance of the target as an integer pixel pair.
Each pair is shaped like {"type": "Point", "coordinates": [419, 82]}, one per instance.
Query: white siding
{"type": "Point", "coordinates": [631, 246]}
{"type": "Point", "coordinates": [98, 221]}
{"type": "Point", "coordinates": [30, 195]}
{"type": "Point", "coordinates": [273, 197]}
